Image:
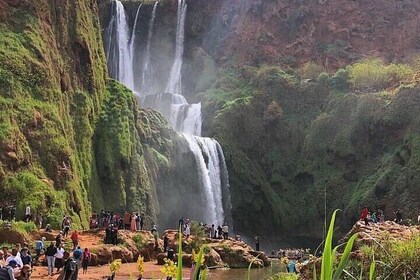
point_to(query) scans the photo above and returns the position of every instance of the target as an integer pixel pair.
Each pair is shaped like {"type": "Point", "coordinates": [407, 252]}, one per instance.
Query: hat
{"type": "Point", "coordinates": [43, 238]}
{"type": "Point", "coordinates": [12, 262]}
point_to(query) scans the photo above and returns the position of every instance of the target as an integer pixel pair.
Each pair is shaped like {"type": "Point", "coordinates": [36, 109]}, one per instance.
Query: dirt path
{"type": "Point", "coordinates": [152, 271]}
{"type": "Point", "coordinates": [89, 240]}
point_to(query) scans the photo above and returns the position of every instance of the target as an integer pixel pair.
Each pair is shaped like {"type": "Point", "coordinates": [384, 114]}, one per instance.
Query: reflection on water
{"type": "Point", "coordinates": [241, 274]}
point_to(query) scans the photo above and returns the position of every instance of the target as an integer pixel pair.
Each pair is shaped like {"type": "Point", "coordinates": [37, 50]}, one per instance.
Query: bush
{"type": "Point", "coordinates": [311, 70]}
{"type": "Point", "coordinates": [374, 74]}
{"type": "Point", "coordinates": [323, 79]}
{"type": "Point", "coordinates": [340, 80]}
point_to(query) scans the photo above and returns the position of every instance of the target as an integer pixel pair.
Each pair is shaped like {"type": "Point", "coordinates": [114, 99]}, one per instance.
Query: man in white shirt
{"type": "Point", "coordinates": [28, 213]}
{"type": "Point", "coordinates": [59, 257]}
{"type": "Point", "coordinates": [15, 257]}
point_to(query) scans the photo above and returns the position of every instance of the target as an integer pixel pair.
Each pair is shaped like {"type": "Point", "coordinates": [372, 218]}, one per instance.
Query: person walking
{"type": "Point", "coordinates": [50, 254]}
{"type": "Point", "coordinates": [39, 246]}
{"type": "Point", "coordinates": [59, 263]}
{"type": "Point", "coordinates": [75, 239]}
{"type": "Point", "coordinates": [86, 260]}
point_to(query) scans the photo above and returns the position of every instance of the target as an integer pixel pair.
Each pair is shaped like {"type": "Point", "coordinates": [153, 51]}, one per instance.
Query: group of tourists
{"type": "Point", "coordinates": [379, 217]}
{"type": "Point", "coordinates": [128, 221]}
{"type": "Point", "coordinates": [57, 257]}
{"type": "Point", "coordinates": [221, 232]}
{"type": "Point", "coordinates": [15, 263]}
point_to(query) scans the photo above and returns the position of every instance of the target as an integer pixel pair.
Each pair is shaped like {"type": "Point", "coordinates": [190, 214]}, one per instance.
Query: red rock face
{"type": "Point", "coordinates": [330, 32]}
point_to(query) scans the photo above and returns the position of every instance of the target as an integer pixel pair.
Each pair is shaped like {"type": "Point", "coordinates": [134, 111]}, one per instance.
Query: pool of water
{"type": "Point", "coordinates": [242, 274]}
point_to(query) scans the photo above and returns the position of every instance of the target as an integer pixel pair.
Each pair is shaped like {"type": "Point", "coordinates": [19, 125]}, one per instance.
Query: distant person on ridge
{"type": "Point", "coordinates": [364, 215]}
{"type": "Point", "coordinates": [225, 230]}
{"type": "Point", "coordinates": [398, 217]}
{"type": "Point", "coordinates": [257, 243]}
{"type": "Point", "coordinates": [28, 213]}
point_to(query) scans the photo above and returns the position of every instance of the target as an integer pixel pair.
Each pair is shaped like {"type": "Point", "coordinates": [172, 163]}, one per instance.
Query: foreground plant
{"type": "Point", "coordinates": [114, 267]}
{"type": "Point", "coordinates": [169, 269]}
{"type": "Point", "coordinates": [140, 266]}
{"type": "Point", "coordinates": [328, 269]}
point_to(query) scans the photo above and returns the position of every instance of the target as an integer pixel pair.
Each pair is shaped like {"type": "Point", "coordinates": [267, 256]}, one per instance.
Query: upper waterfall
{"type": "Point", "coordinates": [147, 67]}
{"type": "Point", "coordinates": [119, 59]}
{"type": "Point", "coordinates": [175, 78]}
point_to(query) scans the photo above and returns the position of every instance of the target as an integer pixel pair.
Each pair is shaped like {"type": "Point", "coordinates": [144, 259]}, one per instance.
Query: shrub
{"type": "Point", "coordinates": [340, 80]}
{"type": "Point", "coordinates": [374, 74]}
{"type": "Point", "coordinates": [311, 70]}
{"type": "Point", "coordinates": [323, 79]}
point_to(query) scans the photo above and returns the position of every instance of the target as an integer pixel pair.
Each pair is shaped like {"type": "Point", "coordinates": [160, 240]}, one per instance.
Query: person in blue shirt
{"type": "Point", "coordinates": [39, 246]}
{"type": "Point", "coordinates": [291, 267]}
{"type": "Point", "coordinates": [78, 255]}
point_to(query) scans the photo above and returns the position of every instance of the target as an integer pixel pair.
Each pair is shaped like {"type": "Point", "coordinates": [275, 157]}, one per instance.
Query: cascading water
{"type": "Point", "coordinates": [132, 42]}
{"type": "Point", "coordinates": [175, 78]}
{"type": "Point", "coordinates": [120, 64]}
{"type": "Point", "coordinates": [147, 67]}
{"type": "Point", "coordinates": [184, 117]}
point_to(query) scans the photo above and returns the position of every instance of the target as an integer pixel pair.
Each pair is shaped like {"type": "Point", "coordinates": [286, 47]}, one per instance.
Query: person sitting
{"type": "Point", "coordinates": [26, 258]}
{"type": "Point", "coordinates": [15, 257]}
{"type": "Point", "coordinates": [48, 228]}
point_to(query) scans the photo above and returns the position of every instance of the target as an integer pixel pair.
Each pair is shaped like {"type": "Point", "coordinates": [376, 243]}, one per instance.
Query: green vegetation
{"type": "Point", "coordinates": [288, 140]}
{"type": "Point", "coordinates": [374, 74]}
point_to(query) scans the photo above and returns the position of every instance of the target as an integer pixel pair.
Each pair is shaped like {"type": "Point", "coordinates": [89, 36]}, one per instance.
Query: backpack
{"type": "Point", "coordinates": [71, 266]}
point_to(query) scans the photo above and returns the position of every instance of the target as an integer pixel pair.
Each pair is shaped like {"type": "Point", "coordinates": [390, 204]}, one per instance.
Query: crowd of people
{"type": "Point", "coordinates": [129, 221]}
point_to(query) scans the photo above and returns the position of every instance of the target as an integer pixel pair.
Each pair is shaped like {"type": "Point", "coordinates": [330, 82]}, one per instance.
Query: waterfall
{"type": "Point", "coordinates": [210, 176]}
{"type": "Point", "coordinates": [132, 43]}
{"type": "Point", "coordinates": [175, 79]}
{"type": "Point", "coordinates": [120, 64]}
{"type": "Point", "coordinates": [147, 69]}
{"type": "Point", "coordinates": [210, 171]}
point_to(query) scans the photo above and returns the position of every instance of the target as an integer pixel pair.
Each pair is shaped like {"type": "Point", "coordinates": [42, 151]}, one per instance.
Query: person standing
{"type": "Point", "coordinates": [75, 239]}
{"type": "Point", "coordinates": [78, 255]}
{"type": "Point", "coordinates": [26, 258]}
{"type": "Point", "coordinates": [39, 246]}
{"type": "Point", "coordinates": [212, 232]}
{"type": "Point", "coordinates": [141, 221]}
{"type": "Point", "coordinates": [225, 230]}
{"type": "Point", "coordinates": [15, 257]}
{"type": "Point", "coordinates": [364, 215]}
{"type": "Point", "coordinates": [58, 239]}
{"type": "Point", "coordinates": [398, 217]}
{"type": "Point", "coordinates": [28, 213]}
{"type": "Point", "coordinates": [138, 220]}
{"type": "Point", "coordinates": [165, 243]}
{"type": "Point", "coordinates": [133, 222]}
{"type": "Point", "coordinates": [50, 254]}
{"type": "Point", "coordinates": [71, 267]}
{"type": "Point", "coordinates": [257, 243]}
{"type": "Point", "coordinates": [59, 257]}
{"type": "Point", "coordinates": [40, 220]}
{"type": "Point", "coordinates": [126, 220]}
{"type": "Point", "coordinates": [86, 260]}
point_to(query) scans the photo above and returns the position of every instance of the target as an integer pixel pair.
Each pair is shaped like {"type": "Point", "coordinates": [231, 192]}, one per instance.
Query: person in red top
{"type": "Point", "coordinates": [75, 239]}
{"type": "Point", "coordinates": [364, 216]}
